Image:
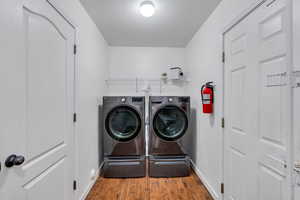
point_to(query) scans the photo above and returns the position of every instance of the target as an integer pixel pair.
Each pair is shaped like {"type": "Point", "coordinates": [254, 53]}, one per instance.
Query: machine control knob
{"type": "Point", "coordinates": [123, 100]}
{"type": "Point", "coordinates": [170, 99]}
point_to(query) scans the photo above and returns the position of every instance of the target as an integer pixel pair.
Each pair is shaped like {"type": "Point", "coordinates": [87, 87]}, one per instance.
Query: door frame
{"type": "Point", "coordinates": [226, 29]}
{"type": "Point", "coordinates": [75, 155]}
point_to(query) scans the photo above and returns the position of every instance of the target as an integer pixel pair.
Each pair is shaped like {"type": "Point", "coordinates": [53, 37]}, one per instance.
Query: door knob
{"type": "Point", "coordinates": [14, 160]}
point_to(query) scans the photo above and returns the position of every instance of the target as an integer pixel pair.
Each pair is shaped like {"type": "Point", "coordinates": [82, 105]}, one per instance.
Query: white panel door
{"type": "Point", "coordinates": [296, 132]}
{"type": "Point", "coordinates": [238, 107]}
{"type": "Point", "coordinates": [36, 110]}
{"type": "Point", "coordinates": [296, 94]}
{"type": "Point", "coordinates": [257, 106]}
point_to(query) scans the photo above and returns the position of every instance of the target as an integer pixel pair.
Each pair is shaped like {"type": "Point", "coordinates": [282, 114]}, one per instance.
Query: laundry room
{"type": "Point", "coordinates": [149, 100]}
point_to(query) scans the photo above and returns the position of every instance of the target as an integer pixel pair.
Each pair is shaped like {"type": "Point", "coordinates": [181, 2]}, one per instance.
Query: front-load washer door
{"type": "Point", "coordinates": [170, 123]}
{"type": "Point", "coordinates": [123, 123]}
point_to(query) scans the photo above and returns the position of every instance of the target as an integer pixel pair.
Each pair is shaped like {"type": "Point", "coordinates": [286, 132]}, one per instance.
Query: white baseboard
{"type": "Point", "coordinates": [91, 184]}
{"type": "Point", "coordinates": [210, 189]}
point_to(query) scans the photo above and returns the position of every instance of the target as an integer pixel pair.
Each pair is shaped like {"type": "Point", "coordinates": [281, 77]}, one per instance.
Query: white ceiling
{"type": "Point", "coordinates": [173, 25]}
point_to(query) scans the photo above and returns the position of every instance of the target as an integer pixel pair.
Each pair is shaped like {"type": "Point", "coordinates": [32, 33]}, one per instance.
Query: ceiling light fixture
{"type": "Point", "coordinates": [147, 9]}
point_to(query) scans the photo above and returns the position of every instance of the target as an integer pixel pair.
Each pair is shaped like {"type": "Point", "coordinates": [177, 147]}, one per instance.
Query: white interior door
{"type": "Point", "coordinates": [257, 106]}
{"type": "Point", "coordinates": [37, 103]}
{"type": "Point", "coordinates": [296, 95]}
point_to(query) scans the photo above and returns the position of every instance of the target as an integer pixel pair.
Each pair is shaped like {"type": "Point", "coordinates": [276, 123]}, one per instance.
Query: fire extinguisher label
{"type": "Point", "coordinates": [206, 99]}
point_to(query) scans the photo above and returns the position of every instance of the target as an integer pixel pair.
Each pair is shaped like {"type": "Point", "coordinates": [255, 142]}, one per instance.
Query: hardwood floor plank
{"type": "Point", "coordinates": [136, 189]}
{"type": "Point", "coordinates": [182, 188]}
{"type": "Point", "coordinates": [184, 191]}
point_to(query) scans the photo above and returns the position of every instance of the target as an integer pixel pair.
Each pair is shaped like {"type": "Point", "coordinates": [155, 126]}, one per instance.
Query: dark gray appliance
{"type": "Point", "coordinates": [169, 128]}
{"type": "Point", "coordinates": [124, 137]}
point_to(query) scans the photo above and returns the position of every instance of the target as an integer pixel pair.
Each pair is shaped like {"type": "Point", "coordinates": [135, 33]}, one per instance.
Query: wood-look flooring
{"type": "Point", "coordinates": [183, 188]}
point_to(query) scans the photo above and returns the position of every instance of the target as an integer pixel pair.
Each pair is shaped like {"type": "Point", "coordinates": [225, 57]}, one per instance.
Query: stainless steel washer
{"type": "Point", "coordinates": [169, 128]}
{"type": "Point", "coordinates": [124, 136]}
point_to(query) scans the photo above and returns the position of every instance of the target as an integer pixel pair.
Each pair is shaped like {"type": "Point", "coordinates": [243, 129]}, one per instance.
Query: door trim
{"type": "Point", "coordinates": [62, 13]}
{"type": "Point", "coordinates": [291, 133]}
{"type": "Point", "coordinates": [242, 16]}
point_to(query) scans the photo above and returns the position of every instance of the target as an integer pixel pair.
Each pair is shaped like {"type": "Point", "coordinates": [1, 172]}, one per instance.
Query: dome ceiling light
{"type": "Point", "coordinates": [147, 9]}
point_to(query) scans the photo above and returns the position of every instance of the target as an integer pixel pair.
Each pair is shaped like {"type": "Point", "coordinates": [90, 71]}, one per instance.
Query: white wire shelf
{"type": "Point", "coordinates": [144, 80]}
{"type": "Point", "coordinates": [132, 80]}
{"type": "Point", "coordinates": [141, 82]}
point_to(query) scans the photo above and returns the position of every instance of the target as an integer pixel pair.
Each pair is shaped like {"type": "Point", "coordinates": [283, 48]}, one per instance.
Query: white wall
{"type": "Point", "coordinates": [92, 71]}
{"type": "Point", "coordinates": [143, 63]}
{"type": "Point", "coordinates": [203, 58]}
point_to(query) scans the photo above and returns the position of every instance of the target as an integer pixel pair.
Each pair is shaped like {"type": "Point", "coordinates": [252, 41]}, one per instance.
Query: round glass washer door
{"type": "Point", "coordinates": [170, 123]}
{"type": "Point", "coordinates": [123, 123]}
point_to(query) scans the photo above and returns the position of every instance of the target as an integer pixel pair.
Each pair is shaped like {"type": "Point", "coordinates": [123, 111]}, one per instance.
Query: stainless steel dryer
{"type": "Point", "coordinates": [124, 137]}
{"type": "Point", "coordinates": [169, 128]}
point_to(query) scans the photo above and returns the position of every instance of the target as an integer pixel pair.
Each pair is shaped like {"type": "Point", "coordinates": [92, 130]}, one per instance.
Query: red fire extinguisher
{"type": "Point", "coordinates": [207, 95]}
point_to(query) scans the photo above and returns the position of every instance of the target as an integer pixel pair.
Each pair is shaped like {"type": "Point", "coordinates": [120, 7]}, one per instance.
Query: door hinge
{"type": "Point", "coordinates": [296, 175]}
{"type": "Point", "coordinates": [74, 117]}
{"type": "Point", "coordinates": [223, 57]}
{"type": "Point", "coordinates": [222, 188]}
{"type": "Point", "coordinates": [75, 49]}
{"type": "Point", "coordinates": [223, 123]}
{"type": "Point", "coordinates": [74, 185]}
